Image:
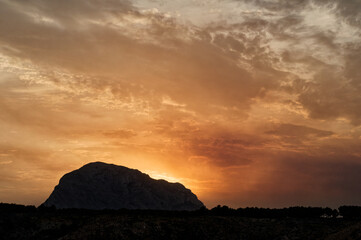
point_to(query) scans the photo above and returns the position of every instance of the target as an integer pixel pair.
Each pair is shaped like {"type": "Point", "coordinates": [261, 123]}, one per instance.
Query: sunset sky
{"type": "Point", "coordinates": [247, 103]}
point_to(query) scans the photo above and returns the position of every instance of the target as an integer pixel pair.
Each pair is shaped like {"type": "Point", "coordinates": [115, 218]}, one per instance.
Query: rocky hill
{"type": "Point", "coordinates": [106, 186]}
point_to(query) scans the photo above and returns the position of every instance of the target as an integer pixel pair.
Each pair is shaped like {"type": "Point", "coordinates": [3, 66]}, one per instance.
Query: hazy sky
{"type": "Point", "coordinates": [247, 103]}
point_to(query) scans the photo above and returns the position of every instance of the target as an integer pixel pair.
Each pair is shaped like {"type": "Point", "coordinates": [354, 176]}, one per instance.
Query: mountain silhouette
{"type": "Point", "coordinates": [107, 186]}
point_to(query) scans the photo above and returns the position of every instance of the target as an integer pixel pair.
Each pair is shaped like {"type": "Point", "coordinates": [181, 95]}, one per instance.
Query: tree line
{"type": "Point", "coordinates": [295, 212]}
{"type": "Point", "coordinates": [251, 212]}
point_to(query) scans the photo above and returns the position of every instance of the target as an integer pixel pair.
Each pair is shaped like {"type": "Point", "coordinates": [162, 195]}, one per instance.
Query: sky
{"type": "Point", "coordinates": [247, 103]}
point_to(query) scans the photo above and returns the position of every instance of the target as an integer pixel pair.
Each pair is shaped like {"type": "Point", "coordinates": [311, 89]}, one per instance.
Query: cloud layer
{"type": "Point", "coordinates": [245, 102]}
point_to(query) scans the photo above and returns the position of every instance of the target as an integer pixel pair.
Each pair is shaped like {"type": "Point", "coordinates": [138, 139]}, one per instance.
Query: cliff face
{"type": "Point", "coordinates": [107, 186]}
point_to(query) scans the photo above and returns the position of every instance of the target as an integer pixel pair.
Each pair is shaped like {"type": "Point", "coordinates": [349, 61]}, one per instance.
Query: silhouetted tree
{"type": "Point", "coordinates": [11, 207]}
{"type": "Point", "coordinates": [350, 211]}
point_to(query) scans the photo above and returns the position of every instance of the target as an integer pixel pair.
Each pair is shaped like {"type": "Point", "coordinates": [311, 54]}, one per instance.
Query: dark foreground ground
{"type": "Point", "coordinates": [108, 225]}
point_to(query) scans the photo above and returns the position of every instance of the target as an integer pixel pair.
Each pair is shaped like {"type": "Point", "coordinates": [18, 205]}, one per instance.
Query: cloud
{"type": "Point", "coordinates": [329, 177]}
{"type": "Point", "coordinates": [282, 5]}
{"type": "Point", "coordinates": [350, 11]}
{"type": "Point", "coordinates": [189, 68]}
{"type": "Point", "coordinates": [332, 97]}
{"type": "Point", "coordinates": [205, 73]}
{"type": "Point", "coordinates": [121, 133]}
{"type": "Point", "coordinates": [246, 95]}
{"type": "Point", "coordinates": [290, 130]}
{"type": "Point", "coordinates": [318, 175]}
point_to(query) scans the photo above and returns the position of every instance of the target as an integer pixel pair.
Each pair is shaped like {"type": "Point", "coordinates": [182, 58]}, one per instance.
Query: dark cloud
{"type": "Point", "coordinates": [330, 178]}
{"type": "Point", "coordinates": [350, 11]}
{"type": "Point", "coordinates": [291, 130]}
{"type": "Point", "coordinates": [331, 97]}
{"type": "Point", "coordinates": [223, 152]}
{"type": "Point", "coordinates": [316, 176]}
{"type": "Point", "coordinates": [282, 5]}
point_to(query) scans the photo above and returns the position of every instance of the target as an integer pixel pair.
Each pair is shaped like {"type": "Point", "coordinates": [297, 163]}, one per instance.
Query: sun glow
{"type": "Point", "coordinates": [162, 175]}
